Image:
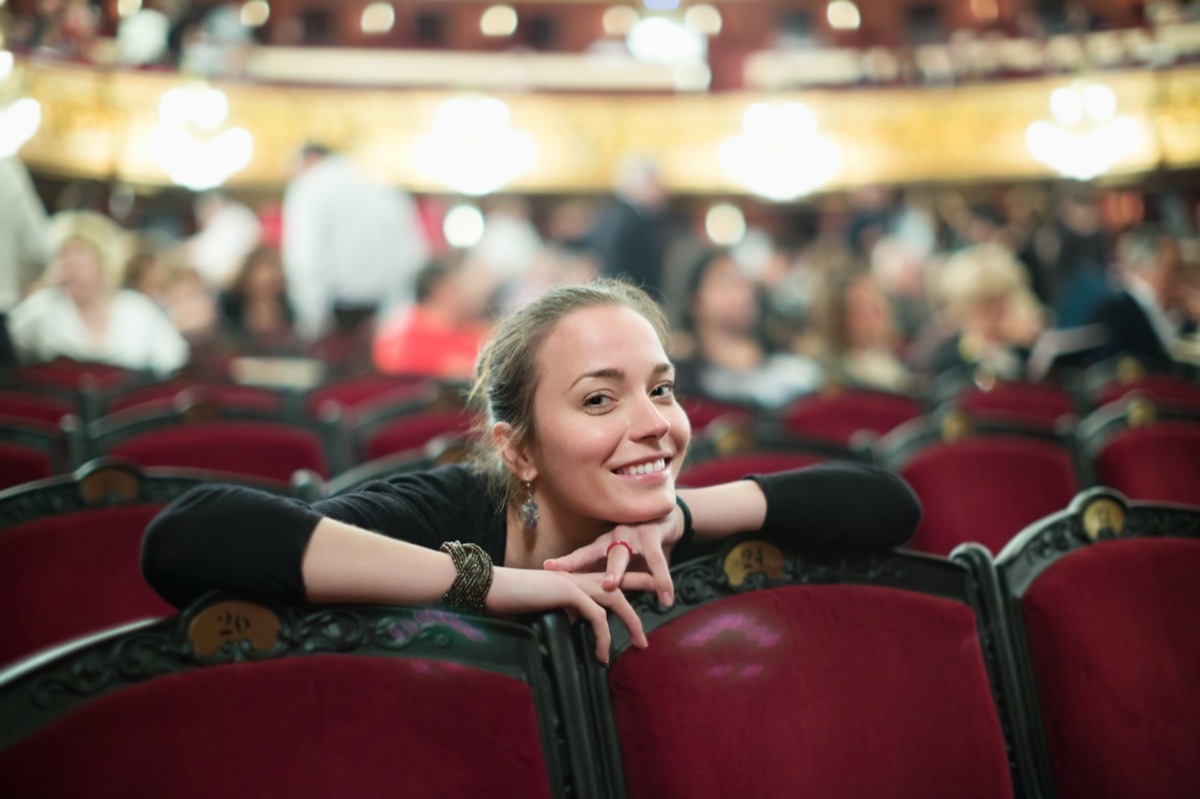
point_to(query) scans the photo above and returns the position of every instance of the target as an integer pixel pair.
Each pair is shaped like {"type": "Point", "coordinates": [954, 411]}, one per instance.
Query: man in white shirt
{"type": "Point", "coordinates": [351, 246]}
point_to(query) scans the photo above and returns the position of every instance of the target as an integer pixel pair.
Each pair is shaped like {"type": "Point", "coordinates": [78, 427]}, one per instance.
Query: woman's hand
{"type": "Point", "coordinates": [652, 541]}
{"type": "Point", "coordinates": [516, 591]}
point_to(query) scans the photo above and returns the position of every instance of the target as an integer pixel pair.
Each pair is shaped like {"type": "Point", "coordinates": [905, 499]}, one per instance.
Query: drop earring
{"type": "Point", "coordinates": [529, 508]}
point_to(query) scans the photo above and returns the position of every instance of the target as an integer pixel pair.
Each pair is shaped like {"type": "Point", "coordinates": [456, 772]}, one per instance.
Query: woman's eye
{"type": "Point", "coordinates": [596, 401]}
{"type": "Point", "coordinates": [663, 390]}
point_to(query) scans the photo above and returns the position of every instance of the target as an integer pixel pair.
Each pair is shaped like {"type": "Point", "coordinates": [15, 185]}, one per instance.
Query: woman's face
{"type": "Point", "coordinates": [725, 297]}
{"type": "Point", "coordinates": [868, 315]}
{"type": "Point", "coordinates": [610, 437]}
{"type": "Point", "coordinates": [80, 270]}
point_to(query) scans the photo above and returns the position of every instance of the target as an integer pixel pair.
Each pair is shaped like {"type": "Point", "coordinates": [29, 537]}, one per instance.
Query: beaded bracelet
{"type": "Point", "coordinates": [686, 538]}
{"type": "Point", "coordinates": [468, 593]}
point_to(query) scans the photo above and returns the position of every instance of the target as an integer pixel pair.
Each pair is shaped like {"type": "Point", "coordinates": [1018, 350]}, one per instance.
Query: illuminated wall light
{"type": "Point", "coordinates": [205, 108]}
{"type": "Point", "coordinates": [255, 13]}
{"type": "Point", "coordinates": [725, 224]}
{"type": "Point", "coordinates": [6, 64]}
{"type": "Point", "coordinates": [661, 5]}
{"type": "Point", "coordinates": [703, 19]}
{"type": "Point", "coordinates": [472, 148]}
{"type": "Point", "coordinates": [1086, 138]}
{"type": "Point", "coordinates": [378, 18]}
{"type": "Point", "coordinates": [694, 76]}
{"type": "Point", "coordinates": [463, 226]}
{"type": "Point", "coordinates": [498, 21]}
{"type": "Point", "coordinates": [127, 7]}
{"type": "Point", "coordinates": [843, 15]}
{"type": "Point", "coordinates": [619, 20]}
{"type": "Point", "coordinates": [780, 155]}
{"type": "Point", "coordinates": [985, 10]}
{"type": "Point", "coordinates": [199, 164]}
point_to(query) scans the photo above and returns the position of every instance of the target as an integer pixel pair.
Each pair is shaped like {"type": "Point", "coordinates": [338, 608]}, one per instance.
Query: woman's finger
{"type": "Point", "coordinates": [581, 559]}
{"type": "Point", "coordinates": [620, 552]}
{"type": "Point", "coordinates": [619, 605]}
{"type": "Point", "coordinates": [594, 614]}
{"type": "Point", "coordinates": [637, 581]}
{"type": "Point", "coordinates": [660, 570]}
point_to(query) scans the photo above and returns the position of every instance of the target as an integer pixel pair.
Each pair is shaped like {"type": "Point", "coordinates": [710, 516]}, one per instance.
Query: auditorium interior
{"type": "Point", "coordinates": [262, 243]}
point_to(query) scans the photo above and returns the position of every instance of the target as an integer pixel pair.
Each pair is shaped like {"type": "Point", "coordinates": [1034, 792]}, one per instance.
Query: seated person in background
{"type": "Point", "coordinates": [721, 350]}
{"type": "Point", "coordinates": [987, 301]}
{"type": "Point", "coordinates": [855, 333]}
{"type": "Point", "coordinates": [147, 273]}
{"type": "Point", "coordinates": [1149, 315]}
{"type": "Point", "coordinates": [81, 314]}
{"type": "Point", "coordinates": [441, 335]}
{"type": "Point", "coordinates": [255, 311]}
{"type": "Point", "coordinates": [570, 499]}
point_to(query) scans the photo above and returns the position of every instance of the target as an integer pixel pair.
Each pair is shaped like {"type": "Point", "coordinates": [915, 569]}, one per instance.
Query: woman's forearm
{"type": "Point", "coordinates": [722, 510]}
{"type": "Point", "coordinates": [343, 563]}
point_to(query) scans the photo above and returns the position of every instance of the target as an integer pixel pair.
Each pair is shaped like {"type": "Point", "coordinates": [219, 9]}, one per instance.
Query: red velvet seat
{"type": "Point", "coordinates": [29, 450]}
{"type": "Point", "coordinates": [33, 406]}
{"type": "Point", "coordinates": [727, 468]}
{"type": "Point", "coordinates": [856, 688]}
{"type": "Point", "coordinates": [1144, 451]}
{"type": "Point", "coordinates": [1036, 404]}
{"type": "Point", "coordinates": [413, 703]}
{"type": "Point", "coordinates": [703, 412]}
{"type": "Point", "coordinates": [69, 553]}
{"type": "Point", "coordinates": [1167, 389]}
{"type": "Point", "coordinates": [841, 415]}
{"type": "Point", "coordinates": [20, 464]}
{"type": "Point", "coordinates": [353, 393]}
{"type": "Point", "coordinates": [1104, 597]}
{"type": "Point", "coordinates": [66, 373]}
{"type": "Point", "coordinates": [413, 431]}
{"type": "Point", "coordinates": [225, 394]}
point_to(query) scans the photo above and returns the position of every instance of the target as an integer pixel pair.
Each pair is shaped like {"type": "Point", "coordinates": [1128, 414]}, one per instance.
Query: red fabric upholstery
{"type": "Point", "coordinates": [986, 489]}
{"type": "Point", "coordinates": [67, 575]}
{"type": "Point", "coordinates": [255, 449]}
{"type": "Point", "coordinates": [27, 406]}
{"type": "Point", "coordinates": [356, 392]}
{"type": "Point", "coordinates": [224, 395]}
{"type": "Point", "coordinates": [837, 417]}
{"type": "Point", "coordinates": [703, 412]}
{"type": "Point", "coordinates": [727, 468]}
{"type": "Point", "coordinates": [415, 431]}
{"type": "Point", "coordinates": [1160, 462]}
{"type": "Point", "coordinates": [324, 725]}
{"type": "Point", "coordinates": [811, 691]}
{"type": "Point", "coordinates": [1117, 666]}
{"type": "Point", "coordinates": [65, 373]}
{"type": "Point", "coordinates": [22, 464]}
{"type": "Point", "coordinates": [1168, 389]}
{"type": "Point", "coordinates": [1025, 403]}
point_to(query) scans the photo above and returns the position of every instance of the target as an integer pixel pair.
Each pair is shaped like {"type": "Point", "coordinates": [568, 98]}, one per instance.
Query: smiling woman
{"type": "Point", "coordinates": [569, 502]}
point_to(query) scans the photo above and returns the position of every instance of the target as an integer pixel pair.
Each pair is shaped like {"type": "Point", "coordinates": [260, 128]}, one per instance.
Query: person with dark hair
{"type": "Point", "coordinates": [569, 501]}
{"type": "Point", "coordinates": [255, 311]}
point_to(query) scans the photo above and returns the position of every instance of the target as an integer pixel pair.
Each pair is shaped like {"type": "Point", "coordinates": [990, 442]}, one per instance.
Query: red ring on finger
{"type": "Point", "coordinates": [620, 544]}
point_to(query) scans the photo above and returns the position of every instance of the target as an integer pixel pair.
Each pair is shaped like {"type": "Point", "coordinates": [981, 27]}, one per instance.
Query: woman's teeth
{"type": "Point", "coordinates": [645, 468]}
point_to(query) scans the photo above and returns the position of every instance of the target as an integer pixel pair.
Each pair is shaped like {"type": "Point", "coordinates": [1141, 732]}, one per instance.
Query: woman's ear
{"type": "Point", "coordinates": [517, 458]}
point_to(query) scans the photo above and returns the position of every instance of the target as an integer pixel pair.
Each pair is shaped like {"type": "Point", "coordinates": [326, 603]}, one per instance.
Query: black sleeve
{"type": "Point", "coordinates": [252, 543]}
{"type": "Point", "coordinates": [839, 505]}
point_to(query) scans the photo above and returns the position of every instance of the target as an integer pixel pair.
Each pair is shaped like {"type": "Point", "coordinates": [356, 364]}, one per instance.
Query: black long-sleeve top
{"type": "Point", "coordinates": [239, 540]}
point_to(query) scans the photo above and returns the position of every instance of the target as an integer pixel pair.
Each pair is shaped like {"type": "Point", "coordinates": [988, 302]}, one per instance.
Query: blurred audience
{"type": "Point", "coordinates": [720, 346]}
{"type": "Point", "coordinates": [853, 324]}
{"type": "Point", "coordinates": [24, 248]}
{"type": "Point", "coordinates": [440, 336]}
{"type": "Point", "coordinates": [228, 232]}
{"type": "Point", "coordinates": [632, 232]}
{"type": "Point", "coordinates": [994, 316]}
{"type": "Point", "coordinates": [256, 314]}
{"type": "Point", "coordinates": [82, 314]}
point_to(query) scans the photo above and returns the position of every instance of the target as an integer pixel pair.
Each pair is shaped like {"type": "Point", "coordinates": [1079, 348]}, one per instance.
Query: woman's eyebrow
{"type": "Point", "coordinates": [612, 373]}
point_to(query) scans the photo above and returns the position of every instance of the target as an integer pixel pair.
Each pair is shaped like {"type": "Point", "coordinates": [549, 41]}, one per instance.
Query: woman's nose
{"type": "Point", "coordinates": [649, 421]}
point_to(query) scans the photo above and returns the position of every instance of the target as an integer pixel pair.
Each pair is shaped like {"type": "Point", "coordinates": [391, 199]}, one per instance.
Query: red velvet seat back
{"type": "Point", "coordinates": [1164, 388]}
{"type": "Point", "coordinates": [811, 691]}
{"type": "Point", "coordinates": [28, 406]}
{"type": "Point", "coordinates": [1111, 631]}
{"type": "Point", "coordinates": [1024, 403]}
{"type": "Point", "coordinates": [323, 725]}
{"type": "Point", "coordinates": [415, 431]}
{"type": "Point", "coordinates": [65, 373]}
{"type": "Point", "coordinates": [1159, 462]}
{"type": "Point", "coordinates": [20, 464]}
{"type": "Point", "coordinates": [702, 412]}
{"type": "Point", "coordinates": [254, 449]}
{"type": "Point", "coordinates": [362, 390]}
{"type": "Point", "coordinates": [837, 417]}
{"type": "Point", "coordinates": [219, 394]}
{"type": "Point", "coordinates": [72, 574]}
{"type": "Point", "coordinates": [986, 489]}
{"type": "Point", "coordinates": [726, 468]}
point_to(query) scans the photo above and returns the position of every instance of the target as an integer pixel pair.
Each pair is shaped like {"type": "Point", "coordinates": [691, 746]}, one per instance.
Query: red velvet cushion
{"type": "Point", "coordinates": [1160, 462]}
{"type": "Point", "coordinates": [703, 412]}
{"type": "Point", "coordinates": [1174, 390]}
{"type": "Point", "coordinates": [811, 691]}
{"type": "Point", "coordinates": [1117, 665]}
{"type": "Point", "coordinates": [327, 726]}
{"type": "Point", "coordinates": [1026, 403]}
{"type": "Point", "coordinates": [352, 393]}
{"type": "Point", "coordinates": [22, 464]}
{"type": "Point", "coordinates": [986, 489]}
{"type": "Point", "coordinates": [71, 574]}
{"type": "Point", "coordinates": [734, 467]}
{"type": "Point", "coordinates": [415, 431]}
{"type": "Point", "coordinates": [837, 417]}
{"type": "Point", "coordinates": [220, 394]}
{"type": "Point", "coordinates": [256, 449]}
{"type": "Point", "coordinates": [34, 407]}
{"type": "Point", "coordinates": [66, 373]}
